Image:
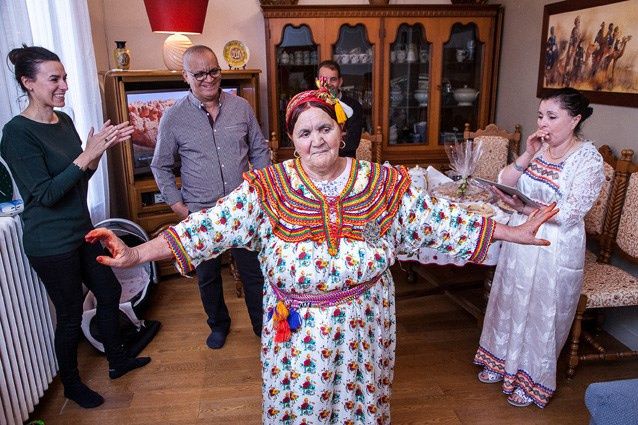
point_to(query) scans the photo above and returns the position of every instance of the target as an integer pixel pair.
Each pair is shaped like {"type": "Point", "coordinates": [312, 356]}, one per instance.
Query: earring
{"type": "Point", "coordinates": [343, 144]}
{"type": "Point", "coordinates": [296, 154]}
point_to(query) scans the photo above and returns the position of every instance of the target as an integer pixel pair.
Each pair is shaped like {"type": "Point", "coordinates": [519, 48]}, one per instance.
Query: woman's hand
{"type": "Point", "coordinates": [511, 201]}
{"type": "Point", "coordinates": [526, 233]}
{"type": "Point", "coordinates": [535, 142]}
{"type": "Point", "coordinates": [121, 254]}
{"type": "Point", "coordinates": [97, 142]}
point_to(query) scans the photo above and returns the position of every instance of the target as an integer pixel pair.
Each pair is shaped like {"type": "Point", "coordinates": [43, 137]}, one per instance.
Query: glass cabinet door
{"type": "Point", "coordinates": [461, 82]}
{"type": "Point", "coordinates": [410, 58]}
{"type": "Point", "coordinates": [297, 59]}
{"type": "Point", "coordinates": [355, 56]}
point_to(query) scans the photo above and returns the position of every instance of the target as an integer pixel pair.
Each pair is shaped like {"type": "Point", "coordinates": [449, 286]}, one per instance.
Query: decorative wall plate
{"type": "Point", "coordinates": [236, 54]}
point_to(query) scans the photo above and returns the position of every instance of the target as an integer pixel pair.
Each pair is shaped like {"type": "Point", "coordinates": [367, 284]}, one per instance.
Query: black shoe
{"type": "Point", "coordinates": [83, 395]}
{"type": "Point", "coordinates": [216, 339]}
{"type": "Point", "coordinates": [121, 369]}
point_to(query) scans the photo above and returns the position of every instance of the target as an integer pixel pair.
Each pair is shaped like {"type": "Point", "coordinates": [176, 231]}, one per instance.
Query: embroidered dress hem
{"type": "Point", "coordinates": [484, 241]}
{"type": "Point", "coordinates": [182, 261]}
{"type": "Point", "coordinates": [521, 379]}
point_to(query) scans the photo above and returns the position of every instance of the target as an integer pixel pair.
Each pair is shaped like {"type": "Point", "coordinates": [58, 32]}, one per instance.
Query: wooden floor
{"type": "Point", "coordinates": [186, 383]}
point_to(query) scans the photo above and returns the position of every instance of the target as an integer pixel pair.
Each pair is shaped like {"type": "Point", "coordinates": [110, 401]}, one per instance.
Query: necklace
{"type": "Point", "coordinates": [571, 144]}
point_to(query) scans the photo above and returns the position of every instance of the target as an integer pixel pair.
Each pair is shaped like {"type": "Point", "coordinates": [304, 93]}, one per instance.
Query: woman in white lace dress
{"type": "Point", "coordinates": [327, 230]}
{"type": "Point", "coordinates": [535, 290]}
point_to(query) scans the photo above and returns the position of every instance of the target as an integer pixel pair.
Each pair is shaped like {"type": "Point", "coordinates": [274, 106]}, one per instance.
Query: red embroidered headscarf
{"type": "Point", "coordinates": [323, 96]}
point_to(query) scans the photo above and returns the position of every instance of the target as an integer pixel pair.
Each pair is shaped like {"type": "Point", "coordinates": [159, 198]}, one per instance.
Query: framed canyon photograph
{"type": "Point", "coordinates": [591, 45]}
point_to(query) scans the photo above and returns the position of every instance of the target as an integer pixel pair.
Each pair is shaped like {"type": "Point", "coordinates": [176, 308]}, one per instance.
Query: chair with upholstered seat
{"type": "Point", "coordinates": [499, 148]}
{"type": "Point", "coordinates": [606, 285]}
{"type": "Point", "coordinates": [370, 146]}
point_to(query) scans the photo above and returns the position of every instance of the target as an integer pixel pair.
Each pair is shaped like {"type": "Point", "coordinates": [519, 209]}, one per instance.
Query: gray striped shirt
{"type": "Point", "coordinates": [213, 156]}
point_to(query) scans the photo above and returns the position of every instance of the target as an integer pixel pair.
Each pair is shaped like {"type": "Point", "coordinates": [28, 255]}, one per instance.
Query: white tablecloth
{"type": "Point", "coordinates": [432, 256]}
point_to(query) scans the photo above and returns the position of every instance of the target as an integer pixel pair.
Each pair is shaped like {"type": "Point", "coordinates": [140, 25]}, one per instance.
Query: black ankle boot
{"type": "Point", "coordinates": [121, 368]}
{"type": "Point", "coordinates": [82, 395]}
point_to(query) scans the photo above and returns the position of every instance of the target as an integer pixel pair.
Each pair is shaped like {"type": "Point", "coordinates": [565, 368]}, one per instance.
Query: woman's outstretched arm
{"type": "Point", "coordinates": [526, 233]}
{"type": "Point", "coordinates": [124, 256]}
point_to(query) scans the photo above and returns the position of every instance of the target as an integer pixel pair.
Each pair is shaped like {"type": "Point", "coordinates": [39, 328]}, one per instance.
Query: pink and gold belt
{"type": "Point", "coordinates": [285, 316]}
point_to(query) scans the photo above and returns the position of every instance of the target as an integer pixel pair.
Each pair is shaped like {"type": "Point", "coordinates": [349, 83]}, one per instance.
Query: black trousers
{"type": "Point", "coordinates": [63, 276]}
{"type": "Point", "coordinates": [212, 293]}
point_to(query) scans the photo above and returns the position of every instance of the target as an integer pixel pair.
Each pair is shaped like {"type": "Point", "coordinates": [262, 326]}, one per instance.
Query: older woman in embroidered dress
{"type": "Point", "coordinates": [535, 290]}
{"type": "Point", "coordinates": [327, 229]}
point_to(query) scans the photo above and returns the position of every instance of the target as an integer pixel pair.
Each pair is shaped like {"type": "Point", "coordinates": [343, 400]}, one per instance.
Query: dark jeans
{"type": "Point", "coordinates": [62, 276]}
{"type": "Point", "coordinates": [212, 293]}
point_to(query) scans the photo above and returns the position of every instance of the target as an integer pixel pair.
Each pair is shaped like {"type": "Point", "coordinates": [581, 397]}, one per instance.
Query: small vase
{"type": "Point", "coordinates": [121, 55]}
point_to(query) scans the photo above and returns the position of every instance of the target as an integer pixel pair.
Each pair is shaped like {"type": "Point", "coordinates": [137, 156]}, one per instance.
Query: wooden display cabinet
{"type": "Point", "coordinates": [140, 97]}
{"type": "Point", "coordinates": [419, 71]}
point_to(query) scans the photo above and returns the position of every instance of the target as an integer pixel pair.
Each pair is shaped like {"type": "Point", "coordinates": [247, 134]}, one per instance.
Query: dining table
{"type": "Point", "coordinates": [466, 284]}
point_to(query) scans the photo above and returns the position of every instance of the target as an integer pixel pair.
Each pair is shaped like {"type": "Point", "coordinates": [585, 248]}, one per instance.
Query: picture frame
{"type": "Point", "coordinates": [592, 46]}
{"type": "Point", "coordinates": [145, 109]}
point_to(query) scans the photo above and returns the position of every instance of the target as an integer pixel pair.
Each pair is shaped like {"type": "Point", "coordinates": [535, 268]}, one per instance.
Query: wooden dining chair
{"type": "Point", "coordinates": [595, 218]}
{"type": "Point", "coordinates": [499, 148]}
{"type": "Point", "coordinates": [370, 146]}
{"type": "Point", "coordinates": [606, 285]}
{"type": "Point", "coordinates": [273, 142]}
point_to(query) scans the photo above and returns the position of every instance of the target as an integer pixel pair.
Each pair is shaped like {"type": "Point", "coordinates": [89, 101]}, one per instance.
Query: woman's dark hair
{"type": "Point", "coordinates": [573, 102]}
{"type": "Point", "coordinates": [27, 59]}
{"type": "Point", "coordinates": [290, 125]}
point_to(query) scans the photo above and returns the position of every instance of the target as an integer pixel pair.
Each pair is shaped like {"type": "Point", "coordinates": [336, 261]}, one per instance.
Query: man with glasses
{"type": "Point", "coordinates": [214, 135]}
{"type": "Point", "coordinates": [331, 71]}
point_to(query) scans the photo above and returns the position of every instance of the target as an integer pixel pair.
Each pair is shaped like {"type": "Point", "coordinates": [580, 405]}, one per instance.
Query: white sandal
{"type": "Point", "coordinates": [486, 376]}
{"type": "Point", "coordinates": [519, 399]}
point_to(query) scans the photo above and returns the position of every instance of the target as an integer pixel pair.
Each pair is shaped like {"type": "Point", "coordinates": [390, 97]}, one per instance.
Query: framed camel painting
{"type": "Point", "coordinates": [591, 45]}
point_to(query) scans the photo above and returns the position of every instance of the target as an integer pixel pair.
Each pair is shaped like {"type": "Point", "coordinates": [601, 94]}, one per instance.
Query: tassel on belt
{"type": "Point", "coordinates": [285, 316]}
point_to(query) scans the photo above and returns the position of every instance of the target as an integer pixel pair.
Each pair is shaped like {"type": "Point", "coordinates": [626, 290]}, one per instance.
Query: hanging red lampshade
{"type": "Point", "coordinates": [178, 17]}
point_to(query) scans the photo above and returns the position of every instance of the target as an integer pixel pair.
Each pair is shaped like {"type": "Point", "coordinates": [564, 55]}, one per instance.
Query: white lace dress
{"type": "Point", "coordinates": [536, 289]}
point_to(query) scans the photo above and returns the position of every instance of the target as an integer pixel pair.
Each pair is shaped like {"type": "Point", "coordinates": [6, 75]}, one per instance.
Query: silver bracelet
{"type": "Point", "coordinates": [518, 167]}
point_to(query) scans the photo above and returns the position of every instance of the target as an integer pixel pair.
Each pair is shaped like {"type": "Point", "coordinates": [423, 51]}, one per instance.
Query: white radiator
{"type": "Point", "coordinates": [27, 359]}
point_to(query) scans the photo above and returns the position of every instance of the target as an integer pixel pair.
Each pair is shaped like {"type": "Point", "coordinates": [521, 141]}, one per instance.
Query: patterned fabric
{"type": "Point", "coordinates": [322, 95]}
{"type": "Point", "coordinates": [608, 286]}
{"type": "Point", "coordinates": [213, 157]}
{"type": "Point", "coordinates": [333, 188]}
{"type": "Point", "coordinates": [338, 366]}
{"type": "Point", "coordinates": [595, 218]}
{"type": "Point", "coordinates": [535, 290]}
{"type": "Point", "coordinates": [545, 172]}
{"type": "Point", "coordinates": [539, 394]}
{"type": "Point", "coordinates": [627, 238]}
{"type": "Point", "coordinates": [299, 211]}
{"type": "Point", "coordinates": [494, 157]}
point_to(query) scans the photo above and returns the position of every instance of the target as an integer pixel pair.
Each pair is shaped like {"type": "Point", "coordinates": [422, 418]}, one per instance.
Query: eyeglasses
{"type": "Point", "coordinates": [212, 73]}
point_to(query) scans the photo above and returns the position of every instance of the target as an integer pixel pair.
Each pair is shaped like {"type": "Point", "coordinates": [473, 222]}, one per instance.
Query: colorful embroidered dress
{"type": "Point", "coordinates": [337, 367]}
{"type": "Point", "coordinates": [535, 289]}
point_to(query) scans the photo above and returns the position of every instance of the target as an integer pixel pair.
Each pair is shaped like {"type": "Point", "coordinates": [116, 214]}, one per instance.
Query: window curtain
{"type": "Point", "coordinates": [64, 27]}
{"type": "Point", "coordinates": [14, 30]}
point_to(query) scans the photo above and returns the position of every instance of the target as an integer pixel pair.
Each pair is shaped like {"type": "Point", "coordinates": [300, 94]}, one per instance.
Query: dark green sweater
{"type": "Point", "coordinates": [54, 189]}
